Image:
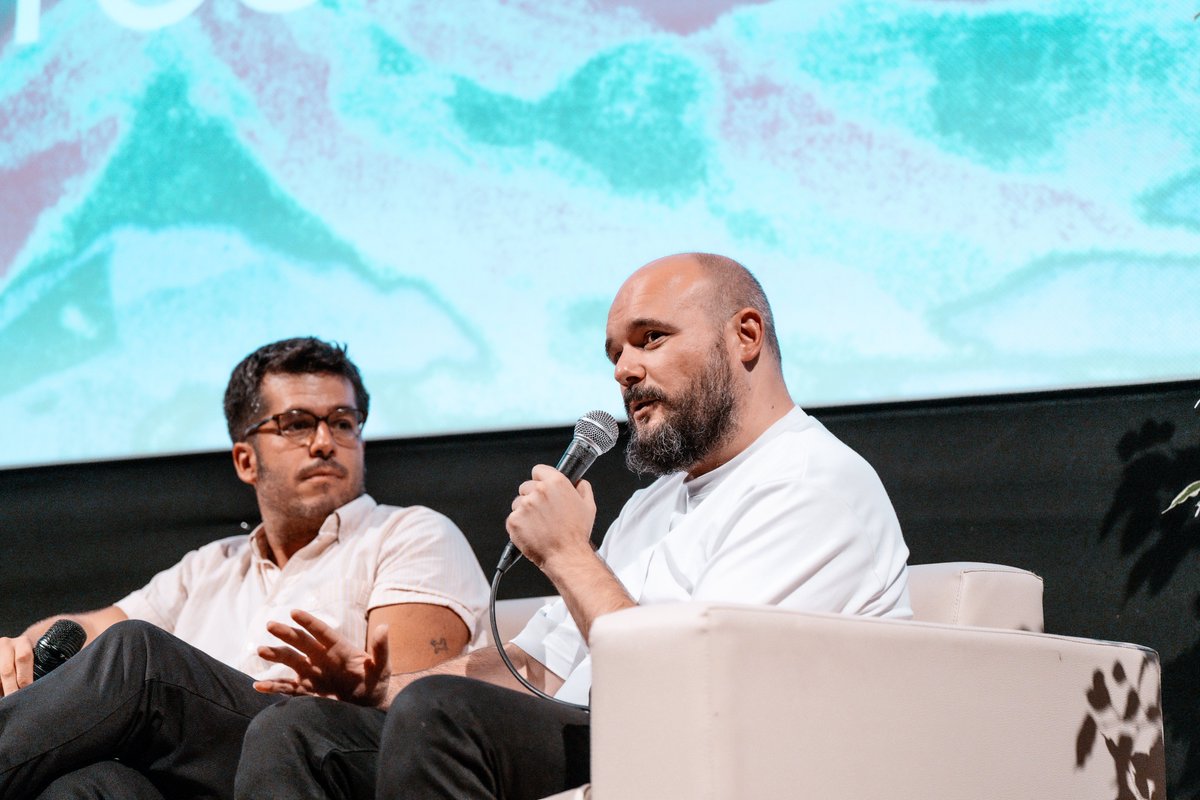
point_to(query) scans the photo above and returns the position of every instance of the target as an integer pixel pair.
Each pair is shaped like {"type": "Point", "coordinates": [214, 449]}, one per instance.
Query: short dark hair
{"type": "Point", "coordinates": [739, 289]}
{"type": "Point", "coordinates": [300, 356]}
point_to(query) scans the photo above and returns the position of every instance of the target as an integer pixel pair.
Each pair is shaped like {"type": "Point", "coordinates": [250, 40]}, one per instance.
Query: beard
{"type": "Point", "coordinates": [694, 423]}
{"type": "Point", "coordinates": [278, 489]}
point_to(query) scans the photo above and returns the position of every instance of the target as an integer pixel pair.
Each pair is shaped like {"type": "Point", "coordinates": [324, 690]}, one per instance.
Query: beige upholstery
{"type": "Point", "coordinates": [956, 592]}
{"type": "Point", "coordinates": [717, 701]}
{"type": "Point", "coordinates": [972, 593]}
{"type": "Point", "coordinates": [712, 701]}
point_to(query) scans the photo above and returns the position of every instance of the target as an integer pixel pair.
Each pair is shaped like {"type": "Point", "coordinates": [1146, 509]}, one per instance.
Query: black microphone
{"type": "Point", "coordinates": [595, 434]}
{"type": "Point", "coordinates": [60, 642]}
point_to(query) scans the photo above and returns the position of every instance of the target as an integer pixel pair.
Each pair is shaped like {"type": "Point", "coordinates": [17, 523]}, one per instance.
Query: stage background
{"type": "Point", "coordinates": [948, 203]}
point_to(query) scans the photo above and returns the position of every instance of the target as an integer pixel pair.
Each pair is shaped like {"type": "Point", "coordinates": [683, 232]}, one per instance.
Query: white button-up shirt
{"type": "Point", "coordinates": [220, 597]}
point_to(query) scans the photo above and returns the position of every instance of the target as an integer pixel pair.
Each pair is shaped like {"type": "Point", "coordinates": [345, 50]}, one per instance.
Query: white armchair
{"type": "Point", "coordinates": [709, 700]}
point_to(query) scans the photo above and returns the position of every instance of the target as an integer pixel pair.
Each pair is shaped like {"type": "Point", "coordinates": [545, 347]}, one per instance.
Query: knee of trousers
{"type": "Point", "coordinates": [101, 779]}
{"type": "Point", "coordinates": [286, 728]}
{"type": "Point", "coordinates": [128, 630]}
{"type": "Point", "coordinates": [433, 705]}
{"type": "Point", "coordinates": [136, 639]}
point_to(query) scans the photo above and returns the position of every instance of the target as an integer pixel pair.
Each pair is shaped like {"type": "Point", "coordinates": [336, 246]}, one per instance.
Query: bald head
{"type": "Point", "coordinates": [722, 284]}
{"type": "Point", "coordinates": [693, 347]}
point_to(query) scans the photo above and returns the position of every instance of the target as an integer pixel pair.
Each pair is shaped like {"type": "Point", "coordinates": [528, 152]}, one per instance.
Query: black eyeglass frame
{"type": "Point", "coordinates": [359, 416]}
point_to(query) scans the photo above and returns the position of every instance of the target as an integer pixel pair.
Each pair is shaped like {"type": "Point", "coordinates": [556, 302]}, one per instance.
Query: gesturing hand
{"type": "Point", "coordinates": [326, 664]}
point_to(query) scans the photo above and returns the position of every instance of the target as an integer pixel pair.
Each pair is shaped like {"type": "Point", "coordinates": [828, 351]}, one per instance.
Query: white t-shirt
{"type": "Point", "coordinates": [219, 598]}
{"type": "Point", "coordinates": [797, 520]}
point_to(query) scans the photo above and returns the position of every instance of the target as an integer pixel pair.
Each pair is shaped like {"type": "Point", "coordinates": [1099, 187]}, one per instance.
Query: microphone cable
{"type": "Point", "coordinates": [516, 673]}
{"type": "Point", "coordinates": [595, 434]}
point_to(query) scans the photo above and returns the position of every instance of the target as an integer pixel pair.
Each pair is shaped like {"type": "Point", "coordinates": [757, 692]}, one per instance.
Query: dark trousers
{"type": "Point", "coordinates": [105, 780]}
{"type": "Point", "coordinates": [443, 737]}
{"type": "Point", "coordinates": [165, 710]}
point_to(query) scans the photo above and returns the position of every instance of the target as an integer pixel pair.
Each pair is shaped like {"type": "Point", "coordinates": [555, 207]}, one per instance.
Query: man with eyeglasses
{"type": "Point", "coordinates": [157, 702]}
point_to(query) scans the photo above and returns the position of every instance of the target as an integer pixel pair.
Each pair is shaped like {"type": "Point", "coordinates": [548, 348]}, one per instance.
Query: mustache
{"type": "Point", "coordinates": [639, 394]}
{"type": "Point", "coordinates": [323, 466]}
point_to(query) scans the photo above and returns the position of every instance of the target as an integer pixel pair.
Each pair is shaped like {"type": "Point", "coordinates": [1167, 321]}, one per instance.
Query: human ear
{"type": "Point", "coordinates": [245, 462]}
{"type": "Point", "coordinates": [748, 328]}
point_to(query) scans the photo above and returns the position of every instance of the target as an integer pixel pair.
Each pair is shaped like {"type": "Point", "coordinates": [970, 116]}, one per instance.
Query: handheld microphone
{"type": "Point", "coordinates": [63, 640]}
{"type": "Point", "coordinates": [595, 434]}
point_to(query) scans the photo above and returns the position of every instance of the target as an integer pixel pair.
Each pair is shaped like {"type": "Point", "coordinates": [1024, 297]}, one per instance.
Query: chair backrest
{"type": "Point", "coordinates": [954, 592]}
{"type": "Point", "coordinates": [977, 594]}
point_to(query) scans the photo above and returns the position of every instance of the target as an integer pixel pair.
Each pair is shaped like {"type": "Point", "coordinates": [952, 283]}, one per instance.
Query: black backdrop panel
{"type": "Point", "coordinates": [1067, 484]}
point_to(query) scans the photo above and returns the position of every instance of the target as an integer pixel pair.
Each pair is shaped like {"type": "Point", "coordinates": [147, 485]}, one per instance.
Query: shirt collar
{"type": "Point", "coordinates": [347, 518]}
{"type": "Point", "coordinates": [698, 488]}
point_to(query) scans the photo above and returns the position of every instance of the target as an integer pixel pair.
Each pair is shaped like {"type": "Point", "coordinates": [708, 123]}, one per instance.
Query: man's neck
{"type": "Point", "coordinates": [284, 538]}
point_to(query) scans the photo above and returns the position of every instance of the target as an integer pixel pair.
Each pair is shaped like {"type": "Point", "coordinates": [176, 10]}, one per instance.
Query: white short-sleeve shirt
{"type": "Point", "coordinates": [220, 597]}
{"type": "Point", "coordinates": [797, 520]}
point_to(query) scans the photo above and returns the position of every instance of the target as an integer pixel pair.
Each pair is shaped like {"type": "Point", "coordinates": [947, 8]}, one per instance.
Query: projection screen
{"type": "Point", "coordinates": [941, 199]}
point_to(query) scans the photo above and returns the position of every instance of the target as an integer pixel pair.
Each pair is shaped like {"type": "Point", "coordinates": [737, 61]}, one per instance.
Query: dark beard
{"type": "Point", "coordinates": [310, 512]}
{"type": "Point", "coordinates": [694, 424]}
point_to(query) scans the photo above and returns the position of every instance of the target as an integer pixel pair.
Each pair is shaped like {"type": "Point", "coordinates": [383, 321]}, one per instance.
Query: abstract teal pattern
{"type": "Point", "coordinates": [942, 198]}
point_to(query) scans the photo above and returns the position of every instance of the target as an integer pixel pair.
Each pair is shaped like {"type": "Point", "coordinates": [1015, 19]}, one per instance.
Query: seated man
{"type": "Point", "coordinates": [756, 503]}
{"type": "Point", "coordinates": [173, 712]}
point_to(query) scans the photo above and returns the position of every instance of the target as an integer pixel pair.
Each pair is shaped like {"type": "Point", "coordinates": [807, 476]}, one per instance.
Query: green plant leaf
{"type": "Point", "coordinates": [1191, 491]}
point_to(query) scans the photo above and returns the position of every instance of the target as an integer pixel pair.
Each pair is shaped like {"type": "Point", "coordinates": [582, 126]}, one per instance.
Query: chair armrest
{"type": "Point", "coordinates": [975, 593]}
{"type": "Point", "coordinates": [720, 701]}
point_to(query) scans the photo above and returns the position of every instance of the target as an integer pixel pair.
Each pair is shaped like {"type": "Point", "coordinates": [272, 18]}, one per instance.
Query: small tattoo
{"type": "Point", "coordinates": [439, 645]}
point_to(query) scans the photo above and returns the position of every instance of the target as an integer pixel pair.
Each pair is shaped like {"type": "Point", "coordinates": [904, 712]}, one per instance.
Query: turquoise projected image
{"type": "Point", "coordinates": [941, 198]}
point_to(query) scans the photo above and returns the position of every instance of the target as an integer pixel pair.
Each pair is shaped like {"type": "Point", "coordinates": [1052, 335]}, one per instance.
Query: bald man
{"type": "Point", "coordinates": [756, 503]}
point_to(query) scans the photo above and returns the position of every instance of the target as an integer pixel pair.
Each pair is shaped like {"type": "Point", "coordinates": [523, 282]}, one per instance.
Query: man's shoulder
{"type": "Point", "coordinates": [807, 451]}
{"type": "Point", "coordinates": [213, 555]}
{"type": "Point", "coordinates": [410, 514]}
{"type": "Point", "coordinates": [797, 467]}
{"type": "Point", "coordinates": [227, 547]}
{"type": "Point", "coordinates": [388, 520]}
{"type": "Point", "coordinates": [813, 465]}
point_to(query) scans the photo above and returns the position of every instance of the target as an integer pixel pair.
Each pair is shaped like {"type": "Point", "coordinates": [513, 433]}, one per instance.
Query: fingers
{"type": "Point", "coordinates": [544, 472]}
{"type": "Point", "coordinates": [279, 686]}
{"type": "Point", "coordinates": [8, 668]}
{"type": "Point", "coordinates": [24, 651]}
{"type": "Point", "coordinates": [526, 492]}
{"type": "Point", "coordinates": [326, 636]}
{"type": "Point", "coordinates": [296, 637]}
{"type": "Point", "coordinates": [287, 657]}
{"type": "Point", "coordinates": [542, 475]}
{"type": "Point", "coordinates": [16, 664]}
{"type": "Point", "coordinates": [377, 645]}
{"type": "Point", "coordinates": [549, 483]}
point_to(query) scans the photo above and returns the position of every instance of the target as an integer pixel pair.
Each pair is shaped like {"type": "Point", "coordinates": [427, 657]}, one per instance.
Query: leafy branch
{"type": "Point", "coordinates": [1193, 488]}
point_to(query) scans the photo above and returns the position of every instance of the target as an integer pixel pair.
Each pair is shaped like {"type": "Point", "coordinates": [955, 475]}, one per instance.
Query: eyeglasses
{"type": "Point", "coordinates": [300, 426]}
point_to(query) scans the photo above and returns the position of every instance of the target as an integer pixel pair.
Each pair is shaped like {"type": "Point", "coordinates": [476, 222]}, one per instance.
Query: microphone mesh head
{"type": "Point", "coordinates": [598, 428]}
{"type": "Point", "coordinates": [66, 636]}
